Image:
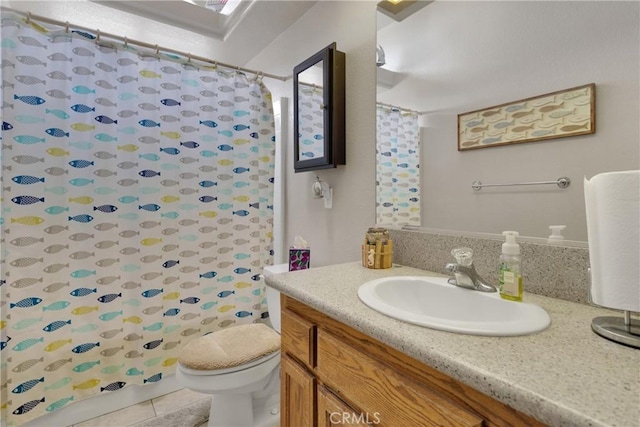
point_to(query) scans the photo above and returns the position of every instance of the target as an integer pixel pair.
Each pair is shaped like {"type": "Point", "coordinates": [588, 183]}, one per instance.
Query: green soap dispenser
{"type": "Point", "coordinates": [510, 268]}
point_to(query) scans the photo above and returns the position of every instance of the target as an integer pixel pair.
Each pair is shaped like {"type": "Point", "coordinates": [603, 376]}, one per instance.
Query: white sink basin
{"type": "Point", "coordinates": [436, 304]}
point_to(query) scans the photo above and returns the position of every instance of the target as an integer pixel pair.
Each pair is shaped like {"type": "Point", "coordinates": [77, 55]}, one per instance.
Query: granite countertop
{"type": "Point", "coordinates": [563, 376]}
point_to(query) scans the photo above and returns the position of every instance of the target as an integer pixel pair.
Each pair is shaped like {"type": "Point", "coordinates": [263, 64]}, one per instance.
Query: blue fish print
{"type": "Point", "coordinates": [26, 179]}
{"type": "Point", "coordinates": [27, 200]}
{"type": "Point", "coordinates": [209, 275]}
{"type": "Point", "coordinates": [171, 312]}
{"type": "Point", "coordinates": [240, 127]}
{"type": "Point", "coordinates": [150, 293]}
{"type": "Point", "coordinates": [83, 90]}
{"type": "Point", "coordinates": [81, 108]}
{"type": "Point", "coordinates": [54, 326]}
{"type": "Point", "coordinates": [189, 144]}
{"type": "Point", "coordinates": [30, 99]}
{"type": "Point", "coordinates": [82, 273]}
{"type": "Point", "coordinates": [153, 344]}
{"type": "Point", "coordinates": [241, 270]}
{"type": "Point", "coordinates": [26, 302]}
{"type": "Point", "coordinates": [240, 184]}
{"type": "Point", "coordinates": [225, 294]}
{"type": "Point", "coordinates": [83, 348]}
{"type": "Point", "coordinates": [128, 199]}
{"type": "Point", "coordinates": [81, 292]}
{"type": "Point", "coordinates": [109, 298]}
{"type": "Point", "coordinates": [117, 385]}
{"type": "Point", "coordinates": [105, 208]}
{"type": "Point", "coordinates": [6, 126]}
{"type": "Point", "coordinates": [241, 113]}
{"type": "Point", "coordinates": [148, 173]}
{"type": "Point", "coordinates": [27, 385]}
{"type": "Point", "coordinates": [58, 113]}
{"type": "Point", "coordinates": [170, 150]}
{"type": "Point", "coordinates": [206, 199]}
{"type": "Point", "coordinates": [208, 153]}
{"type": "Point", "coordinates": [81, 218]}
{"type": "Point", "coordinates": [240, 170]}
{"type": "Point", "coordinates": [153, 378]}
{"type": "Point", "coordinates": [150, 207]}
{"type": "Point", "coordinates": [190, 300]}
{"type": "Point", "coordinates": [207, 184]}
{"type": "Point", "coordinates": [254, 135]}
{"type": "Point", "coordinates": [225, 147]}
{"type": "Point", "coordinates": [170, 263]}
{"type": "Point", "coordinates": [106, 120]}
{"type": "Point", "coordinates": [209, 123]}
{"type": "Point", "coordinates": [148, 123]}
{"type": "Point", "coordinates": [28, 139]}
{"type": "Point", "coordinates": [243, 314]}
{"type": "Point", "coordinates": [308, 154]}
{"type": "Point", "coordinates": [169, 102]}
{"type": "Point", "coordinates": [241, 212]}
{"type": "Point", "coordinates": [80, 182]}
{"type": "Point", "coordinates": [57, 132]}
{"type": "Point", "coordinates": [149, 156]}
{"type": "Point", "coordinates": [81, 163]}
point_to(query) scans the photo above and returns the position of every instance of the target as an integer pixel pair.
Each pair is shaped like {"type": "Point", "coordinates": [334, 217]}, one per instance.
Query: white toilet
{"type": "Point", "coordinates": [240, 367]}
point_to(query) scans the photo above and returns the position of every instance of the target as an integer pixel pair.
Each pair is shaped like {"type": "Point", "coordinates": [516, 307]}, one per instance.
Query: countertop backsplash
{"type": "Point", "coordinates": [554, 271]}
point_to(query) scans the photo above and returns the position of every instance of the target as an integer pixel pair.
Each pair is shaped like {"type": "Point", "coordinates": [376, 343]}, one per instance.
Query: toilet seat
{"type": "Point", "coordinates": [223, 371]}
{"type": "Point", "coordinates": [230, 348]}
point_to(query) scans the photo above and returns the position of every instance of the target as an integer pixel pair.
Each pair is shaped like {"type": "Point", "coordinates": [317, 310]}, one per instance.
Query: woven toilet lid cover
{"type": "Point", "coordinates": [230, 347]}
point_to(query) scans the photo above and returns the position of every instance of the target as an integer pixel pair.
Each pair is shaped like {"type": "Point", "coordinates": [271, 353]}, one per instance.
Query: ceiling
{"type": "Point", "coordinates": [252, 26]}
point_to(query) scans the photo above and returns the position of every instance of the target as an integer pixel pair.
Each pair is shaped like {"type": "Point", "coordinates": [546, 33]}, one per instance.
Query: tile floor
{"type": "Point", "coordinates": [147, 411]}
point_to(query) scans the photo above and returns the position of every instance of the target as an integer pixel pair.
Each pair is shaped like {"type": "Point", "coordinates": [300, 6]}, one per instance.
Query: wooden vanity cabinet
{"type": "Point", "coordinates": [333, 375]}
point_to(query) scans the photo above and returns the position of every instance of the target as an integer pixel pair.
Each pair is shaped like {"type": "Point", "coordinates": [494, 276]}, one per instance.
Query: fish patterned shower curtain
{"type": "Point", "coordinates": [137, 194]}
{"type": "Point", "coordinates": [397, 167]}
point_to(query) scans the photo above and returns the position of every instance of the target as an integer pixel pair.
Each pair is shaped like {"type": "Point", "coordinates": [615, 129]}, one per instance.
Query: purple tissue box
{"type": "Point", "coordinates": [299, 259]}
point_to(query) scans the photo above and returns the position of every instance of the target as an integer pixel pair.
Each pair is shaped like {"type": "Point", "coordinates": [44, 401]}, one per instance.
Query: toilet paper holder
{"type": "Point", "coordinates": [622, 330]}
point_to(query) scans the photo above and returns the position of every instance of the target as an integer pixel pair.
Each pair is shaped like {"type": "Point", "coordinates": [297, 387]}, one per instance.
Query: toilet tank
{"type": "Point", "coordinates": [273, 296]}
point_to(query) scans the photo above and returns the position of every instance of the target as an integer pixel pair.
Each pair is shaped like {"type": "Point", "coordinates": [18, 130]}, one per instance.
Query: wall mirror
{"type": "Point", "coordinates": [445, 58]}
{"type": "Point", "coordinates": [318, 113]}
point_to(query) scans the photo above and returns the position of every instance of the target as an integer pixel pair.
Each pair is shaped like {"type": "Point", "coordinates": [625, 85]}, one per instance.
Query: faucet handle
{"type": "Point", "coordinates": [463, 256]}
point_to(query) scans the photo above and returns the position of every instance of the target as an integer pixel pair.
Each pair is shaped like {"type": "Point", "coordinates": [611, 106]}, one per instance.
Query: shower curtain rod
{"type": "Point", "coordinates": [408, 110]}
{"type": "Point", "coordinates": [31, 17]}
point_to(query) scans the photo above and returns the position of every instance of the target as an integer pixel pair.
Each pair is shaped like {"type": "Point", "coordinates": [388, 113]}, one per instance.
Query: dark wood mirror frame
{"type": "Point", "coordinates": [333, 89]}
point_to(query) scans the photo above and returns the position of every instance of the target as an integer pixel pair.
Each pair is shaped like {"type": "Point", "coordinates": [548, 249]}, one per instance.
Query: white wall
{"type": "Point", "coordinates": [334, 235]}
{"type": "Point", "coordinates": [474, 55]}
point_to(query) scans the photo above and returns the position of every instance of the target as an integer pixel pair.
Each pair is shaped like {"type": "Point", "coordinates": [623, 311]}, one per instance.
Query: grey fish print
{"type": "Point", "coordinates": [81, 51]}
{"type": "Point", "coordinates": [25, 282]}
{"type": "Point", "coordinates": [30, 60]}
{"type": "Point", "coordinates": [55, 93]}
{"type": "Point", "coordinates": [111, 333]}
{"type": "Point", "coordinates": [54, 287]}
{"type": "Point", "coordinates": [58, 75]}
{"type": "Point", "coordinates": [55, 248]}
{"type": "Point", "coordinates": [59, 56]}
{"type": "Point", "coordinates": [30, 80]}
{"type": "Point", "coordinates": [127, 113]}
{"type": "Point", "coordinates": [83, 71]}
{"type": "Point", "coordinates": [105, 102]}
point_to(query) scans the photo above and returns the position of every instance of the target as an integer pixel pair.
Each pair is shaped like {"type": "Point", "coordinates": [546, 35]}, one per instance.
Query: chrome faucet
{"type": "Point", "coordinates": [465, 272]}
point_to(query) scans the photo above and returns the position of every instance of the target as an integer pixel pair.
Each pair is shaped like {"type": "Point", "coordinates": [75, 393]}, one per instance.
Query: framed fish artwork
{"type": "Point", "coordinates": [567, 112]}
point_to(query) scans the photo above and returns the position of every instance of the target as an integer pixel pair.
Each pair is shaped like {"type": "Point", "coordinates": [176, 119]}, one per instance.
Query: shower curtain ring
{"type": "Point", "coordinates": [158, 51]}
{"type": "Point", "coordinates": [66, 27]}
{"type": "Point", "coordinates": [28, 17]}
{"type": "Point", "coordinates": [126, 42]}
{"type": "Point", "coordinates": [97, 36]}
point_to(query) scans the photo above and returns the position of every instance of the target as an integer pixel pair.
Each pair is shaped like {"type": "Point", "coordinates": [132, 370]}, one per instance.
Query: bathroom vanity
{"type": "Point", "coordinates": [345, 364]}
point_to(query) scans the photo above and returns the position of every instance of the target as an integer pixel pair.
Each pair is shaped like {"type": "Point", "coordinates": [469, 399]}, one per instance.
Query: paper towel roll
{"type": "Point", "coordinates": [612, 202]}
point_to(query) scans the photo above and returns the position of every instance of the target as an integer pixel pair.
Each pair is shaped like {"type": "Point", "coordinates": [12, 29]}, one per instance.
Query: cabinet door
{"type": "Point", "coordinates": [298, 395]}
{"type": "Point", "coordinates": [333, 412]}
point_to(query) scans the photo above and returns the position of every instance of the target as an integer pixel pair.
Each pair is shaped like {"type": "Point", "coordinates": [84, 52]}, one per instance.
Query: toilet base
{"type": "Point", "coordinates": [241, 411]}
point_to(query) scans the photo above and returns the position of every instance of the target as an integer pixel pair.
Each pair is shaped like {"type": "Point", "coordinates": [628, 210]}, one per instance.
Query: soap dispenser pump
{"type": "Point", "coordinates": [510, 268]}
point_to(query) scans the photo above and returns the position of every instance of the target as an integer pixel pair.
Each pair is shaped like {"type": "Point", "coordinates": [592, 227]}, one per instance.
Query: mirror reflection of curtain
{"type": "Point", "coordinates": [137, 213]}
{"type": "Point", "coordinates": [398, 167]}
{"type": "Point", "coordinates": [311, 122]}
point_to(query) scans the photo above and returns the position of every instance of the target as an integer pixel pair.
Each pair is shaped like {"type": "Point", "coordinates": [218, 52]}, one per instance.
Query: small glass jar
{"type": "Point", "coordinates": [377, 234]}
